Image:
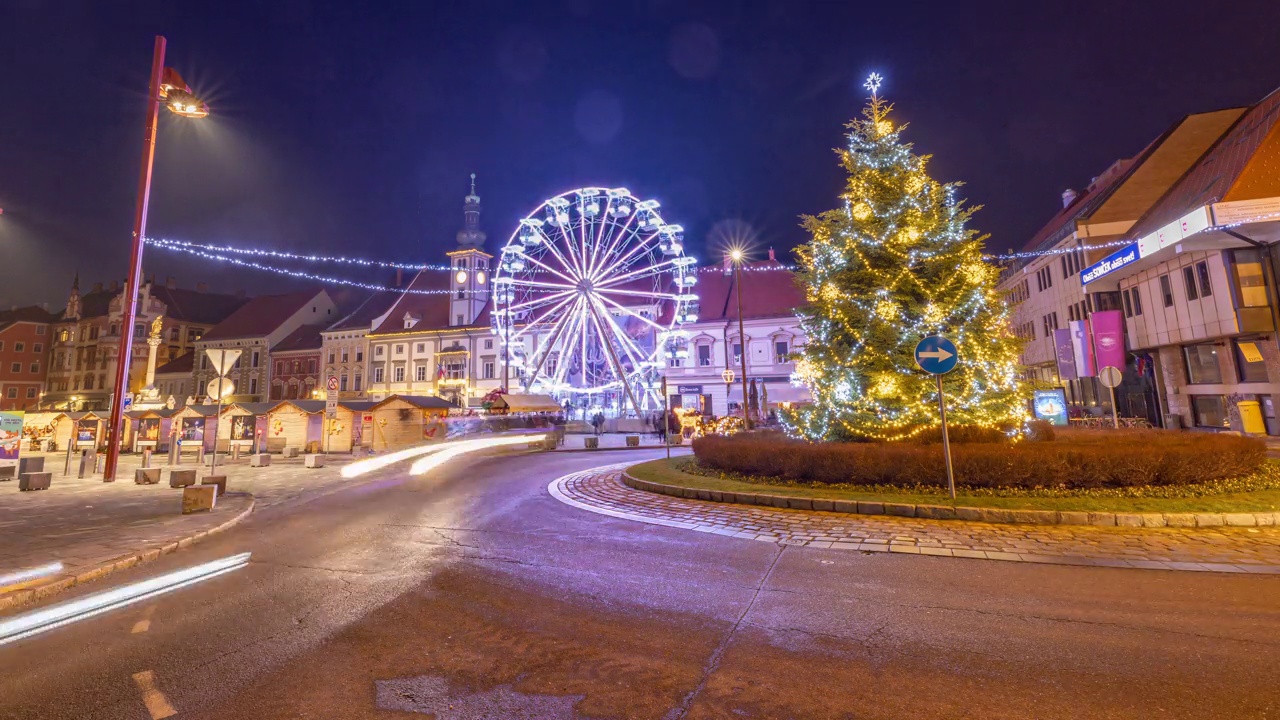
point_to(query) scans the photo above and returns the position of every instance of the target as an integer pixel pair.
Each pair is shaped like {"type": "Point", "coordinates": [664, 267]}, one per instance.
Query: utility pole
{"type": "Point", "coordinates": [742, 338]}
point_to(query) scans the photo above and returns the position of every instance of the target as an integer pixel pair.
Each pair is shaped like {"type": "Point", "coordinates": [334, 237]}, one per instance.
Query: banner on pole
{"type": "Point", "coordinates": [1066, 356]}
{"type": "Point", "coordinates": [1081, 348]}
{"type": "Point", "coordinates": [10, 436]}
{"type": "Point", "coordinates": [1108, 338]}
{"type": "Point", "coordinates": [1051, 405]}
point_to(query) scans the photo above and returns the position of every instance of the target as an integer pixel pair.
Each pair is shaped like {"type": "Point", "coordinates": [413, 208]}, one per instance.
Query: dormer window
{"type": "Point", "coordinates": [410, 320]}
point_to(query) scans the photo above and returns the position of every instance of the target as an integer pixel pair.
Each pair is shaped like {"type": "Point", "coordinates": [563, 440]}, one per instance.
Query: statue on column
{"type": "Point", "coordinates": [150, 395]}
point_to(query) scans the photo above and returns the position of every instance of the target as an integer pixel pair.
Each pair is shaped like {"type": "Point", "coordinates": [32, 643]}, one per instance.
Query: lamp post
{"type": "Point", "coordinates": [727, 376]}
{"type": "Point", "coordinates": [166, 85]}
{"type": "Point", "coordinates": [736, 255]}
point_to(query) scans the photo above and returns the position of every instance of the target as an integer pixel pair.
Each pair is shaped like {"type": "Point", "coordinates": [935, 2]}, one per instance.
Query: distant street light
{"type": "Point", "coordinates": [736, 255]}
{"type": "Point", "coordinates": [166, 85]}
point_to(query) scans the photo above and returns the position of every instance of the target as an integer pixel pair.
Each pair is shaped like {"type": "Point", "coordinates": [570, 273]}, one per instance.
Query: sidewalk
{"type": "Point", "coordinates": [1225, 549]}
{"type": "Point", "coordinates": [87, 524]}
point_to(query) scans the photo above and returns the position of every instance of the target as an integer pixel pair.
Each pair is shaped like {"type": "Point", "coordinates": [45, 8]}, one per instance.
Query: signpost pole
{"type": "Point", "coordinates": [1115, 415]}
{"type": "Point", "coordinates": [946, 443]}
{"type": "Point", "coordinates": [213, 462]}
{"type": "Point", "coordinates": [666, 417]}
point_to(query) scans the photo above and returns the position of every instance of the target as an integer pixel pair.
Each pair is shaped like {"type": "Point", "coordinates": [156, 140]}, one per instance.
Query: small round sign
{"type": "Point", "coordinates": [1110, 376]}
{"type": "Point", "coordinates": [333, 382]}
{"type": "Point", "coordinates": [936, 355]}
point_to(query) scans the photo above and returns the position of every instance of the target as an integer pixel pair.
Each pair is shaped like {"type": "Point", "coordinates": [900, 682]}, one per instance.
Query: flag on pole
{"type": "Point", "coordinates": [1082, 348]}
{"type": "Point", "coordinates": [1066, 355]}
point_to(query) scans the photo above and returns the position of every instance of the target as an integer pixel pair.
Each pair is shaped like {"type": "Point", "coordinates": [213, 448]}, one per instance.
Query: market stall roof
{"type": "Point", "coordinates": [253, 408]}
{"type": "Point", "coordinates": [424, 402]}
{"type": "Point", "coordinates": [528, 403]}
{"type": "Point", "coordinates": [160, 413]}
{"type": "Point", "coordinates": [310, 407]}
{"type": "Point", "coordinates": [357, 405]}
{"type": "Point", "coordinates": [202, 410]}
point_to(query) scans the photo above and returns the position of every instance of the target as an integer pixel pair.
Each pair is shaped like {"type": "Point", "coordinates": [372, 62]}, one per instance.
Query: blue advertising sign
{"type": "Point", "coordinates": [1051, 405]}
{"type": "Point", "coordinates": [936, 355]}
{"type": "Point", "coordinates": [1116, 260]}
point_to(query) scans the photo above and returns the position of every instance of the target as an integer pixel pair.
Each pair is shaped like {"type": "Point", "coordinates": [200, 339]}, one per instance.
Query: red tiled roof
{"type": "Point", "coordinates": [369, 310]}
{"type": "Point", "coordinates": [306, 337]}
{"type": "Point", "coordinates": [1213, 177]}
{"type": "Point", "coordinates": [31, 313]}
{"type": "Point", "coordinates": [432, 310]}
{"type": "Point", "coordinates": [194, 306]}
{"type": "Point", "coordinates": [261, 316]}
{"type": "Point", "coordinates": [769, 291]}
{"type": "Point", "coordinates": [184, 364]}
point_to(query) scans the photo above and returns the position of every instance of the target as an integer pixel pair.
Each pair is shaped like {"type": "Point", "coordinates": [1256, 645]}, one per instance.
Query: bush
{"type": "Point", "coordinates": [1075, 459]}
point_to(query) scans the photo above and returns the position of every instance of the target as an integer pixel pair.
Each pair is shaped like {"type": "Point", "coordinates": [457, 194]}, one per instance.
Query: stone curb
{"type": "Point", "coordinates": [25, 596]}
{"type": "Point", "coordinates": [973, 514]}
{"type": "Point", "coordinates": [608, 449]}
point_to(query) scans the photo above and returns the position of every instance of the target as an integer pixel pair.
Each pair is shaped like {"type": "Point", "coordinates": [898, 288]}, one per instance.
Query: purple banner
{"type": "Point", "coordinates": [1081, 348]}
{"type": "Point", "coordinates": [1108, 338]}
{"type": "Point", "coordinates": [1066, 357]}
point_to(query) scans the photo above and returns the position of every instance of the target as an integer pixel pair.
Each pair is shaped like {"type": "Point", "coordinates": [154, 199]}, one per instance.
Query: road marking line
{"type": "Point", "coordinates": [157, 704]}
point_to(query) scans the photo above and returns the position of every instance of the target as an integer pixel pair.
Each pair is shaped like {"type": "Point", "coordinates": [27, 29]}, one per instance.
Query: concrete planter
{"type": "Point", "coordinates": [259, 460]}
{"type": "Point", "coordinates": [199, 498]}
{"type": "Point", "coordinates": [182, 478]}
{"type": "Point", "coordinates": [313, 461]}
{"type": "Point", "coordinates": [633, 441]}
{"type": "Point", "coordinates": [218, 481]}
{"type": "Point", "coordinates": [146, 476]}
{"type": "Point", "coordinates": [35, 481]}
{"type": "Point", "coordinates": [591, 443]}
{"type": "Point", "coordinates": [30, 464]}
{"type": "Point", "coordinates": [289, 452]}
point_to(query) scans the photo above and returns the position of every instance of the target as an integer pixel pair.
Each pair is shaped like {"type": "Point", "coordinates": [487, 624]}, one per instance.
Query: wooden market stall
{"type": "Point", "coordinates": [189, 427]}
{"type": "Point", "coordinates": [358, 433]}
{"type": "Point", "coordinates": [511, 403]}
{"type": "Point", "coordinates": [87, 430]}
{"type": "Point", "coordinates": [242, 423]}
{"type": "Point", "coordinates": [402, 421]}
{"type": "Point", "coordinates": [299, 424]}
{"type": "Point", "coordinates": [39, 429]}
{"type": "Point", "coordinates": [149, 429]}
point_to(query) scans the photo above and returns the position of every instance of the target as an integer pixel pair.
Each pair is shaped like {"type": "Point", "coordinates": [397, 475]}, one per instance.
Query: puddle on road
{"type": "Point", "coordinates": [429, 694]}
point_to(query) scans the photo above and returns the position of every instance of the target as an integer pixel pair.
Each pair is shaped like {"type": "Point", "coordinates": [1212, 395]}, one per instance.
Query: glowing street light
{"type": "Point", "coordinates": [166, 85]}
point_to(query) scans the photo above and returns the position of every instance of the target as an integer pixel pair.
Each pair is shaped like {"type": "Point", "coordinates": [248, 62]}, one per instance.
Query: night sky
{"type": "Point", "coordinates": [348, 128]}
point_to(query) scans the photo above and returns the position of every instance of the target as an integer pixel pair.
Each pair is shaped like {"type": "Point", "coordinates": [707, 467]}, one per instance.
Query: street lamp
{"type": "Point", "coordinates": [736, 255]}
{"type": "Point", "coordinates": [727, 376]}
{"type": "Point", "coordinates": [166, 85]}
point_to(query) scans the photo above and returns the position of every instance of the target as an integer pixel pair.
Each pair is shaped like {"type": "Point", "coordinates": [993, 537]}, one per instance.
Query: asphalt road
{"type": "Point", "coordinates": [471, 593]}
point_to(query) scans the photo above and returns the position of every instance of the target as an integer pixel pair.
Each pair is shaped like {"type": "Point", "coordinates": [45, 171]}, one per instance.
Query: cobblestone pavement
{"type": "Point", "coordinates": [1248, 550]}
{"type": "Point", "coordinates": [82, 522]}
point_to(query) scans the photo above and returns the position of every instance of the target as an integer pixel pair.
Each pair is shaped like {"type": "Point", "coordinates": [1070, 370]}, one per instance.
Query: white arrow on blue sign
{"type": "Point", "coordinates": [936, 355]}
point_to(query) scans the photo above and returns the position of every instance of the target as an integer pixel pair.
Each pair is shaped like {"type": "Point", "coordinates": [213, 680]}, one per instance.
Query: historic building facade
{"type": "Point", "coordinates": [25, 349]}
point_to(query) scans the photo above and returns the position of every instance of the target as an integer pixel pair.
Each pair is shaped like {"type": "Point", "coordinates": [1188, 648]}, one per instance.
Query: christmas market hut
{"type": "Point", "coordinates": [189, 427]}
{"type": "Point", "coordinates": [39, 429]}
{"type": "Point", "coordinates": [241, 423]}
{"type": "Point", "coordinates": [149, 429]}
{"type": "Point", "coordinates": [402, 421]}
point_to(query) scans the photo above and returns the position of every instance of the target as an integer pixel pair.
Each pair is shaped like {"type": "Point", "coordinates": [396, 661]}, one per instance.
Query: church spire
{"type": "Point", "coordinates": [471, 236]}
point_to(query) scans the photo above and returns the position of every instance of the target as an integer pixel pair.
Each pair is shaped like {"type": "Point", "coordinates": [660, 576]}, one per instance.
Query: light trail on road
{"type": "Point", "coordinates": [466, 446]}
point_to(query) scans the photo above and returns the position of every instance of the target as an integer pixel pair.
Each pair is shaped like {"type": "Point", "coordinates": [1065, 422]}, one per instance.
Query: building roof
{"type": "Point", "coordinates": [424, 402]}
{"type": "Point", "coordinates": [769, 291]}
{"type": "Point", "coordinates": [30, 313]}
{"type": "Point", "coordinates": [96, 303]}
{"type": "Point", "coordinates": [1239, 166]}
{"type": "Point", "coordinates": [260, 316]}
{"type": "Point", "coordinates": [370, 309]}
{"type": "Point", "coordinates": [183, 364]}
{"type": "Point", "coordinates": [432, 310]}
{"type": "Point", "coordinates": [253, 408]}
{"type": "Point", "coordinates": [195, 306]}
{"type": "Point", "coordinates": [306, 337]}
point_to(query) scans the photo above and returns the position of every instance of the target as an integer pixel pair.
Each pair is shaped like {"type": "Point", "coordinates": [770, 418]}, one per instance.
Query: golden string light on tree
{"type": "Point", "coordinates": [894, 265]}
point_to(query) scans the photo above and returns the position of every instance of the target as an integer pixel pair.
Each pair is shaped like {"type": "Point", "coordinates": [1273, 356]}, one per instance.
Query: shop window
{"type": "Point", "coordinates": [1202, 364]}
{"type": "Point", "coordinates": [1249, 363]}
{"type": "Point", "coordinates": [1202, 272]}
{"type": "Point", "coordinates": [1209, 411]}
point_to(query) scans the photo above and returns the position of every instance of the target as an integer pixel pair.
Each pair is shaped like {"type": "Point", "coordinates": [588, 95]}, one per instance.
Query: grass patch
{"type": "Point", "coordinates": [1259, 492]}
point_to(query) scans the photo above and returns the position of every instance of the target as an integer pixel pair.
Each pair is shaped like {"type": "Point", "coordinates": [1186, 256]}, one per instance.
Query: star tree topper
{"type": "Point", "coordinates": [873, 83]}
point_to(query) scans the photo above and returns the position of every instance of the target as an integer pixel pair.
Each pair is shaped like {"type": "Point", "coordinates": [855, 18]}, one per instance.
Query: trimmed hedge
{"type": "Point", "coordinates": [1075, 459]}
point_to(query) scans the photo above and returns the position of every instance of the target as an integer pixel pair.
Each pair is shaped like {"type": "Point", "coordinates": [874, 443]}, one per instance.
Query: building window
{"type": "Point", "coordinates": [31, 393]}
{"type": "Point", "coordinates": [460, 322]}
{"type": "Point", "coordinates": [39, 329]}
{"type": "Point", "coordinates": [488, 343]}
{"type": "Point", "coordinates": [461, 295]}
{"type": "Point", "coordinates": [1133, 299]}
{"type": "Point", "coordinates": [173, 334]}
{"type": "Point", "coordinates": [1209, 411]}
{"type": "Point", "coordinates": [253, 386]}
{"type": "Point", "coordinates": [1189, 280]}
{"type": "Point", "coordinates": [780, 351]}
{"type": "Point", "coordinates": [16, 368]}
{"type": "Point", "coordinates": [377, 351]}
{"type": "Point", "coordinates": [377, 374]}
{"type": "Point", "coordinates": [345, 355]}
{"type": "Point", "coordinates": [279, 367]}
{"type": "Point", "coordinates": [455, 370]}
{"type": "Point", "coordinates": [35, 368]}
{"type": "Point", "coordinates": [254, 363]}
{"type": "Point", "coordinates": [420, 373]}
{"type": "Point", "coordinates": [357, 383]}
{"type": "Point", "coordinates": [1128, 307]}
{"type": "Point", "coordinates": [192, 335]}
{"type": "Point", "coordinates": [399, 349]}
{"type": "Point", "coordinates": [737, 353]}
{"type": "Point", "coordinates": [88, 382]}
{"type": "Point", "coordinates": [676, 362]}
{"type": "Point", "coordinates": [13, 392]}
{"type": "Point", "coordinates": [1202, 363]}
{"type": "Point", "coordinates": [359, 356]}
{"type": "Point", "coordinates": [704, 356]}
{"type": "Point", "coordinates": [342, 383]}
{"type": "Point", "coordinates": [331, 357]}
{"type": "Point", "coordinates": [1166, 291]}
{"type": "Point", "coordinates": [397, 375]}
{"type": "Point", "coordinates": [487, 370]}
{"type": "Point", "coordinates": [1249, 362]}
{"type": "Point", "coordinates": [37, 348]}
{"type": "Point", "coordinates": [1202, 272]}
{"type": "Point", "coordinates": [311, 365]}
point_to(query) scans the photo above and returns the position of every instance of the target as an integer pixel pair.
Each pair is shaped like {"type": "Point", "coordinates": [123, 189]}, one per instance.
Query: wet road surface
{"type": "Point", "coordinates": [472, 593]}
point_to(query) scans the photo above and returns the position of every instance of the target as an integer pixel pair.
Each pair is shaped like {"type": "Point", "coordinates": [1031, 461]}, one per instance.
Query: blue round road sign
{"type": "Point", "coordinates": [936, 355]}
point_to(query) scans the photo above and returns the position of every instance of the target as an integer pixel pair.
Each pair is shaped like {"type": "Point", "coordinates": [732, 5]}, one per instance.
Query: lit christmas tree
{"type": "Point", "coordinates": [892, 266]}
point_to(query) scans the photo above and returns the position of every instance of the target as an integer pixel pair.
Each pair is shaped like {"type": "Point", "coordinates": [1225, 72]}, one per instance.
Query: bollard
{"type": "Point", "coordinates": [235, 451]}
{"type": "Point", "coordinates": [146, 457]}
{"type": "Point", "coordinates": [200, 455]}
{"type": "Point", "coordinates": [84, 463]}
{"type": "Point", "coordinates": [174, 453]}
{"type": "Point", "coordinates": [97, 463]}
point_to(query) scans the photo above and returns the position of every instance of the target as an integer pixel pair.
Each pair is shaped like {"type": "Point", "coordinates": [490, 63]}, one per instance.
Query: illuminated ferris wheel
{"type": "Point", "coordinates": [589, 296]}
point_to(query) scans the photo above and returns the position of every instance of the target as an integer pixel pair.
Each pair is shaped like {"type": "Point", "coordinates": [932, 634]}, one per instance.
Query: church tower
{"type": "Point", "coordinates": [470, 274]}
{"type": "Point", "coordinates": [73, 301]}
